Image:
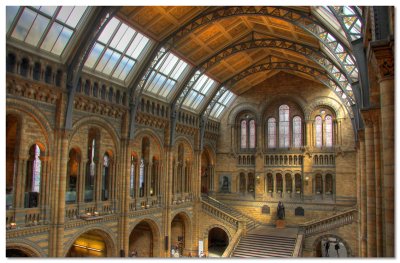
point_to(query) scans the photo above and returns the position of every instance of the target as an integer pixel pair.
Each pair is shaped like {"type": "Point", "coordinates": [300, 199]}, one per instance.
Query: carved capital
{"type": "Point", "coordinates": [371, 117]}
{"type": "Point", "coordinates": [382, 58]}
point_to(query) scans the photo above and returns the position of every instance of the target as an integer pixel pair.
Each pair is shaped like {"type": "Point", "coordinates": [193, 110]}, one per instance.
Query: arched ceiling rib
{"type": "Point", "coordinates": [216, 28]}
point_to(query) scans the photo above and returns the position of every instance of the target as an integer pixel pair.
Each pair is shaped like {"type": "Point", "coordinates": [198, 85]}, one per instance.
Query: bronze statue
{"type": "Point", "coordinates": [281, 210]}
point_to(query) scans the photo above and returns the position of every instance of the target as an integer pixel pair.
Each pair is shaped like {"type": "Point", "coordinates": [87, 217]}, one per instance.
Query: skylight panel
{"type": "Point", "coordinates": [223, 102]}
{"type": "Point", "coordinates": [199, 91]}
{"type": "Point", "coordinates": [116, 50]}
{"type": "Point", "coordinates": [165, 75]}
{"type": "Point", "coordinates": [47, 27]}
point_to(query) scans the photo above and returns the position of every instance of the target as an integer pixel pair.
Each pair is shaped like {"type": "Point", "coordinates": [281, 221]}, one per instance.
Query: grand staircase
{"type": "Point", "coordinates": [266, 242]}
{"type": "Point", "coordinates": [250, 223]}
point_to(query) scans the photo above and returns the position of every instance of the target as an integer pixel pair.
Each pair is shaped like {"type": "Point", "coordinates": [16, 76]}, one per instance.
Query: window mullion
{"type": "Point", "coordinates": [51, 22]}
{"type": "Point", "coordinates": [15, 21]}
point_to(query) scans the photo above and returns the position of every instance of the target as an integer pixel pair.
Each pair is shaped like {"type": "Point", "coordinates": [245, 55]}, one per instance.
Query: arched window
{"type": "Point", "coordinates": [279, 183]}
{"type": "Point", "coordinates": [250, 184]}
{"type": "Point", "coordinates": [72, 176]}
{"type": "Point", "coordinates": [243, 134]}
{"type": "Point", "coordinates": [32, 187]}
{"type": "Point", "coordinates": [297, 133]}
{"type": "Point", "coordinates": [328, 131]}
{"type": "Point", "coordinates": [36, 171]}
{"type": "Point", "coordinates": [242, 183]}
{"type": "Point", "coordinates": [37, 71]}
{"type": "Point", "coordinates": [105, 182]}
{"type": "Point", "coordinates": [284, 126]}
{"type": "Point", "coordinates": [318, 184]}
{"type": "Point", "coordinates": [328, 184]}
{"type": "Point", "coordinates": [271, 133]}
{"type": "Point", "coordinates": [94, 138]}
{"type": "Point", "coordinates": [318, 131]}
{"type": "Point", "coordinates": [132, 176]}
{"type": "Point", "coordinates": [252, 143]}
{"type": "Point", "coordinates": [270, 183]}
{"type": "Point", "coordinates": [288, 182]}
{"type": "Point", "coordinates": [141, 178]}
{"type": "Point", "coordinates": [297, 182]}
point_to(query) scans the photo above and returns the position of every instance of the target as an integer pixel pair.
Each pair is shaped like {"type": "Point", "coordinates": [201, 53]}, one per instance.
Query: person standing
{"type": "Point", "coordinates": [327, 245]}
{"type": "Point", "coordinates": [337, 247]}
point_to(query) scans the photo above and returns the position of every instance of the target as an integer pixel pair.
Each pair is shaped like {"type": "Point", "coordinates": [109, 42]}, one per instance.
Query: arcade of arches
{"type": "Point", "coordinates": [141, 131]}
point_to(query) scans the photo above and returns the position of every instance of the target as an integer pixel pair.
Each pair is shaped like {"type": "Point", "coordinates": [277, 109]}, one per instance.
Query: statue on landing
{"type": "Point", "coordinates": [281, 210]}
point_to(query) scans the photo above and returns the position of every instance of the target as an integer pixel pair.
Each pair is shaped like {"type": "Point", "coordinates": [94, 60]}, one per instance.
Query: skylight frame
{"type": "Point", "coordinates": [60, 30]}
{"type": "Point", "coordinates": [108, 59]}
{"type": "Point", "coordinates": [171, 69]}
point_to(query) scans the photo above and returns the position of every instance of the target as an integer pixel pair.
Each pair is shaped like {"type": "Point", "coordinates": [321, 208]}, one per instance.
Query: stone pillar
{"type": "Point", "coordinates": [381, 54]}
{"type": "Point", "coordinates": [124, 195]}
{"type": "Point", "coordinates": [370, 183]}
{"type": "Point", "coordinates": [363, 195]}
{"type": "Point", "coordinates": [378, 181]}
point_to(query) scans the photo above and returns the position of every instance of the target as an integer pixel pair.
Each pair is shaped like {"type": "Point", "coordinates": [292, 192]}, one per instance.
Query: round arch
{"type": "Point", "coordinates": [21, 108]}
{"type": "Point", "coordinates": [29, 248]}
{"type": "Point", "coordinates": [106, 234]}
{"type": "Point", "coordinates": [318, 241]}
{"type": "Point", "coordinates": [233, 114]}
{"type": "Point", "coordinates": [186, 232]}
{"type": "Point", "coordinates": [143, 132]}
{"type": "Point", "coordinates": [155, 234]}
{"type": "Point", "coordinates": [94, 120]}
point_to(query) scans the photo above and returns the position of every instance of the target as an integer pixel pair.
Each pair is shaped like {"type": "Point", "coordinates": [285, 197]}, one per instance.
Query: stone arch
{"type": "Point", "coordinates": [28, 247]}
{"type": "Point", "coordinates": [20, 109]}
{"type": "Point", "coordinates": [143, 132]}
{"type": "Point", "coordinates": [320, 238]}
{"type": "Point", "coordinates": [90, 120]}
{"type": "Point", "coordinates": [155, 230]}
{"type": "Point", "coordinates": [207, 230]}
{"type": "Point", "coordinates": [105, 233]}
{"type": "Point", "coordinates": [277, 100]}
{"type": "Point", "coordinates": [186, 142]}
{"type": "Point", "coordinates": [328, 102]}
{"type": "Point", "coordinates": [211, 153]}
{"type": "Point", "coordinates": [237, 109]}
{"type": "Point", "coordinates": [187, 227]}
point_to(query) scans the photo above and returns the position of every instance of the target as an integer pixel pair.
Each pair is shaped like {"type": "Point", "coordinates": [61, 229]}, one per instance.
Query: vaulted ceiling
{"type": "Point", "coordinates": [237, 47]}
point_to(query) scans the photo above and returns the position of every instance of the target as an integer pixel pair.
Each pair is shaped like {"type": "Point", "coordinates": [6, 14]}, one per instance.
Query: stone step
{"type": "Point", "coordinates": [263, 251]}
{"type": "Point", "coordinates": [269, 255]}
{"type": "Point", "coordinates": [278, 246]}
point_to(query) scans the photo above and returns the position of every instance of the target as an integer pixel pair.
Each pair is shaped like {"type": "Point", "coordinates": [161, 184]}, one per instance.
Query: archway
{"type": "Point", "coordinates": [331, 247]}
{"type": "Point", "coordinates": [94, 243]}
{"type": "Point", "coordinates": [218, 241]}
{"type": "Point", "coordinates": [180, 234]}
{"type": "Point", "coordinates": [17, 253]}
{"type": "Point", "coordinates": [142, 240]}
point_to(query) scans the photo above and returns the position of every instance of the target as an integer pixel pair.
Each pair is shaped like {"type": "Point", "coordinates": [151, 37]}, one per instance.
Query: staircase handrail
{"type": "Point", "coordinates": [220, 204]}
{"type": "Point", "coordinates": [233, 244]}
{"type": "Point", "coordinates": [222, 215]}
{"type": "Point", "coordinates": [298, 248]}
{"type": "Point", "coordinates": [331, 222]}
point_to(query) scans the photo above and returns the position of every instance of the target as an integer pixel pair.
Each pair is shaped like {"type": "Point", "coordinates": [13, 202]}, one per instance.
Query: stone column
{"type": "Point", "coordinates": [363, 195]}
{"type": "Point", "coordinates": [381, 54]}
{"type": "Point", "coordinates": [370, 182]}
{"type": "Point", "coordinates": [378, 181]}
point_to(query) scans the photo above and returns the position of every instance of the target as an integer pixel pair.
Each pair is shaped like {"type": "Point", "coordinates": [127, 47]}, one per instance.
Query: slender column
{"type": "Point", "coordinates": [383, 59]}
{"type": "Point", "coordinates": [274, 182]}
{"type": "Point", "coordinates": [378, 182]}
{"type": "Point", "coordinates": [363, 199]}
{"type": "Point", "coordinates": [20, 183]}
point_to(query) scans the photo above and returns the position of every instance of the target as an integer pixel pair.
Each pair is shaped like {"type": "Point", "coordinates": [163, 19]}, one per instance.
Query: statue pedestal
{"type": "Point", "coordinates": [280, 223]}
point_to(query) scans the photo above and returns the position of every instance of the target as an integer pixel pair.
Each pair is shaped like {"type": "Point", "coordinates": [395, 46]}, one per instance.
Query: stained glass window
{"type": "Point", "coordinates": [141, 178]}
{"type": "Point", "coordinates": [49, 28]}
{"type": "Point", "coordinates": [243, 134]}
{"type": "Point", "coordinates": [132, 181]}
{"type": "Point", "coordinates": [252, 143]}
{"type": "Point", "coordinates": [271, 133]}
{"type": "Point", "coordinates": [328, 131]}
{"type": "Point", "coordinates": [297, 133]}
{"type": "Point", "coordinates": [164, 77]}
{"type": "Point", "coordinates": [117, 50]}
{"type": "Point", "coordinates": [318, 131]}
{"type": "Point", "coordinates": [36, 170]}
{"type": "Point", "coordinates": [284, 126]}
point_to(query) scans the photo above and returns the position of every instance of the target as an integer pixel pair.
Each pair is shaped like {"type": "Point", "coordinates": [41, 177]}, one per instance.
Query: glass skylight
{"type": "Point", "coordinates": [200, 89]}
{"type": "Point", "coordinates": [48, 27]}
{"type": "Point", "coordinates": [166, 75]}
{"type": "Point", "coordinates": [116, 50]}
{"type": "Point", "coordinates": [223, 102]}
